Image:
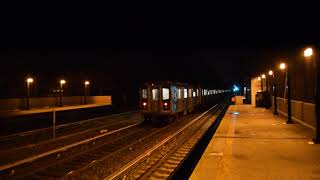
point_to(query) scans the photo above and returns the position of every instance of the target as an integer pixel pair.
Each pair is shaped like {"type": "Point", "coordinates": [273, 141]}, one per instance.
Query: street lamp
{"type": "Point", "coordinates": [283, 66]}
{"type": "Point", "coordinates": [29, 81]}
{"type": "Point", "coordinates": [86, 83]}
{"type": "Point", "coordinates": [309, 54]}
{"type": "Point", "coordinates": [275, 110]}
{"type": "Point", "coordinates": [62, 82]}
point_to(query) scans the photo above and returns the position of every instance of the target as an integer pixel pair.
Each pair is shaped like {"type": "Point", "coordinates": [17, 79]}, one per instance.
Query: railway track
{"type": "Point", "coordinates": [161, 161]}
{"type": "Point", "coordinates": [106, 155]}
{"type": "Point", "coordinates": [35, 136]}
{"type": "Point", "coordinates": [105, 126]}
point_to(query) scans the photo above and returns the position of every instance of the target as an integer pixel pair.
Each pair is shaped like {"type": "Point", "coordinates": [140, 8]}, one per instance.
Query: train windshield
{"type": "Point", "coordinates": [144, 94]}
{"type": "Point", "coordinates": [179, 93]}
{"type": "Point", "coordinates": [165, 94]}
{"type": "Point", "coordinates": [155, 94]}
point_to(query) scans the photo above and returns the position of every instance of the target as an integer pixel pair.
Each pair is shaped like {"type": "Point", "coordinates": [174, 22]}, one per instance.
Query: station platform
{"type": "Point", "coordinates": [13, 113]}
{"type": "Point", "coordinates": [252, 143]}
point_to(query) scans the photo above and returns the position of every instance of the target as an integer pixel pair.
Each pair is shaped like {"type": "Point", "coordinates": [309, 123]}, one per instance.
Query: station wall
{"type": "Point", "coordinates": [42, 102]}
{"type": "Point", "coordinates": [301, 111]}
{"type": "Point", "coordinates": [304, 112]}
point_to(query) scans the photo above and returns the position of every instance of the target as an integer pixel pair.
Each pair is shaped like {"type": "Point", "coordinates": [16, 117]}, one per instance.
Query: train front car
{"type": "Point", "coordinates": [159, 100]}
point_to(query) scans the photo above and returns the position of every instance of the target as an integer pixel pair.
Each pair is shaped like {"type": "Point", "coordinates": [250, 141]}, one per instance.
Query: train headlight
{"type": "Point", "coordinates": [166, 106]}
{"type": "Point", "coordinates": [144, 105]}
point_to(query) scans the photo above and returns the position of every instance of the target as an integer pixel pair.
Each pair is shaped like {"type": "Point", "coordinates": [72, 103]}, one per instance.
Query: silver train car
{"type": "Point", "coordinates": [169, 99]}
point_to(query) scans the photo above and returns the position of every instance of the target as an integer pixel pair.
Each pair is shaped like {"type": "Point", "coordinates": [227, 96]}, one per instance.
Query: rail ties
{"type": "Point", "coordinates": [160, 151]}
{"type": "Point", "coordinates": [163, 162]}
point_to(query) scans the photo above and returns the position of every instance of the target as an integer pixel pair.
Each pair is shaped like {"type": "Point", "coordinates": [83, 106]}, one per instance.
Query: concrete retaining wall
{"type": "Point", "coordinates": [301, 111]}
{"type": "Point", "coordinates": [40, 102]}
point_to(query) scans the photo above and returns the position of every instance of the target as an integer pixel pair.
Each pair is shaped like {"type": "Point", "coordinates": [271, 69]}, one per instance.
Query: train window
{"type": "Point", "coordinates": [190, 93]}
{"type": "Point", "coordinates": [194, 94]}
{"type": "Point", "coordinates": [155, 94]}
{"type": "Point", "coordinates": [197, 92]}
{"type": "Point", "coordinates": [144, 93]}
{"type": "Point", "coordinates": [185, 93]}
{"type": "Point", "coordinates": [165, 94]}
{"type": "Point", "coordinates": [179, 93]}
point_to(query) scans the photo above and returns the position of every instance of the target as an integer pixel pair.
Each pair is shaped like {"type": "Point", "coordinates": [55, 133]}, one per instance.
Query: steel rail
{"type": "Point", "coordinates": [64, 125]}
{"type": "Point", "coordinates": [35, 157]}
{"type": "Point", "coordinates": [151, 150]}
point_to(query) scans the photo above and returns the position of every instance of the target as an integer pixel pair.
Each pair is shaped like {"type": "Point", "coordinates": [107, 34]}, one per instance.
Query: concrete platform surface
{"type": "Point", "coordinates": [252, 143]}
{"type": "Point", "coordinates": [6, 114]}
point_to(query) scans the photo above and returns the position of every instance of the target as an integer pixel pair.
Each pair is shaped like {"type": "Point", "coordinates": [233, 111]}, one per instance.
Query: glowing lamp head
{"type": "Point", "coordinates": [259, 78]}
{"type": "Point", "coordinates": [282, 66]}
{"type": "Point", "coordinates": [144, 104]}
{"type": "Point", "coordinates": [270, 73]}
{"type": "Point", "coordinates": [86, 83]}
{"type": "Point", "coordinates": [308, 52]}
{"type": "Point", "coordinates": [29, 80]}
{"type": "Point", "coordinates": [62, 81]}
{"type": "Point", "coordinates": [165, 104]}
{"type": "Point", "coordinates": [263, 76]}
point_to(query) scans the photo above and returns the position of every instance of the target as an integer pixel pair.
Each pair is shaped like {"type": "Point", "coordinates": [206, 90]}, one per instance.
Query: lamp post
{"type": "Point", "coordinates": [29, 81]}
{"type": "Point", "coordinates": [86, 83]}
{"type": "Point", "coordinates": [275, 111]}
{"type": "Point", "coordinates": [283, 66]}
{"type": "Point", "coordinates": [62, 82]}
{"type": "Point", "coordinates": [309, 54]}
{"type": "Point", "coordinates": [259, 79]}
{"type": "Point", "coordinates": [263, 76]}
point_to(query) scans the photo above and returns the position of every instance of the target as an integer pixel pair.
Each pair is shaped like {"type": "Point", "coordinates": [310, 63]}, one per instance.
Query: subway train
{"type": "Point", "coordinates": [167, 100]}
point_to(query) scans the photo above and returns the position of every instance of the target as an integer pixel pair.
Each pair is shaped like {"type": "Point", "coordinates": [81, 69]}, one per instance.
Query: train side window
{"type": "Point", "coordinates": [185, 93]}
{"type": "Point", "coordinates": [165, 94]}
{"type": "Point", "coordinates": [155, 94]}
{"type": "Point", "coordinates": [179, 93]}
{"type": "Point", "coordinates": [194, 94]}
{"type": "Point", "coordinates": [190, 93]}
{"type": "Point", "coordinates": [144, 94]}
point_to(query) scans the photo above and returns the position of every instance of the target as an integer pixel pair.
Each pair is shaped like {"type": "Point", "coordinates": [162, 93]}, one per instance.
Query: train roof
{"type": "Point", "coordinates": [166, 82]}
{"type": "Point", "coordinates": [170, 83]}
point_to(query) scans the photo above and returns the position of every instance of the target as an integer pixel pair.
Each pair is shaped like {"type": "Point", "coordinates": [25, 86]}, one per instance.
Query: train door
{"type": "Point", "coordinates": [185, 100]}
{"type": "Point", "coordinates": [166, 100]}
{"type": "Point", "coordinates": [155, 99]}
{"type": "Point", "coordinates": [144, 102]}
{"type": "Point", "coordinates": [174, 96]}
{"type": "Point", "coordinates": [190, 99]}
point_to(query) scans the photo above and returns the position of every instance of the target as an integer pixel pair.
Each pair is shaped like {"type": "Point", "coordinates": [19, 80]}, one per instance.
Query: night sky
{"type": "Point", "coordinates": [125, 43]}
